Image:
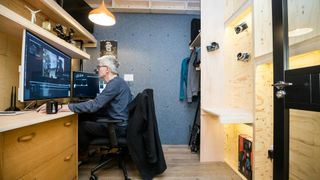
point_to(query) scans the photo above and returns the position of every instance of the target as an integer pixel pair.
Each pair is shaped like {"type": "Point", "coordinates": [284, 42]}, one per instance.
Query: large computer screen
{"type": "Point", "coordinates": [45, 72]}
{"type": "Point", "coordinates": [85, 85]}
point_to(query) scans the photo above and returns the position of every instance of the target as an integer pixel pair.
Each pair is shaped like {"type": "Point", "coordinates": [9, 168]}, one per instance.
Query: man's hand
{"type": "Point", "coordinates": [64, 108]}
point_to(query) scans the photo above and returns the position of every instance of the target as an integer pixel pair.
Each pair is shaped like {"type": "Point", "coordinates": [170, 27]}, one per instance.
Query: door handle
{"type": "Point", "coordinates": [280, 85]}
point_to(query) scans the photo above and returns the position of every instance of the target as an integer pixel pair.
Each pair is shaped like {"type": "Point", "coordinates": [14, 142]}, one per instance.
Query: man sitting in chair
{"type": "Point", "coordinates": [111, 103]}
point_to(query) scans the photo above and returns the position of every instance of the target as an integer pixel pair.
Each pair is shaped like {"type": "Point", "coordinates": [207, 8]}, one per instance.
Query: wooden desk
{"type": "Point", "coordinates": [39, 146]}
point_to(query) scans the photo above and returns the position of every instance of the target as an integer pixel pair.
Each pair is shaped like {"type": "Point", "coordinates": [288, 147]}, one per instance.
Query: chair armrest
{"type": "Point", "coordinates": [104, 120]}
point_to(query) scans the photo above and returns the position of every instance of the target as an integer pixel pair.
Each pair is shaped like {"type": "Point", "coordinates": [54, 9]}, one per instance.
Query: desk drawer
{"type": "Point", "coordinates": [27, 148]}
{"type": "Point", "coordinates": [62, 167]}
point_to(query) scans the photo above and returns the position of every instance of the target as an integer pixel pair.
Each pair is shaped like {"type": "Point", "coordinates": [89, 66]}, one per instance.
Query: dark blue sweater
{"type": "Point", "coordinates": [112, 101]}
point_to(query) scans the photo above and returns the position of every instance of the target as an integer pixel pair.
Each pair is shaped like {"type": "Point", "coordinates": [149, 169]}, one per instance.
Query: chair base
{"type": "Point", "coordinates": [121, 163]}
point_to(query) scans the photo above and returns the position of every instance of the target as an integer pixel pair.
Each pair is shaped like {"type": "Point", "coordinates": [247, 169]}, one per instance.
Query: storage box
{"type": "Point", "coordinates": [245, 156]}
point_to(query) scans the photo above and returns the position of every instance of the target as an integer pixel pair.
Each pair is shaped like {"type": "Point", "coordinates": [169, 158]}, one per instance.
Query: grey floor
{"type": "Point", "coordinates": [181, 164]}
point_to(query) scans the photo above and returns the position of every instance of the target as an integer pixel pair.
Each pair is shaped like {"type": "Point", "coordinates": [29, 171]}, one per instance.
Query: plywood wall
{"type": "Point", "coordinates": [212, 63]}
{"type": "Point", "coordinates": [305, 60]}
{"type": "Point", "coordinates": [212, 80]}
{"type": "Point", "coordinates": [238, 82]}
{"type": "Point", "coordinates": [232, 6]}
{"type": "Point", "coordinates": [10, 59]}
{"type": "Point", "coordinates": [212, 139]}
{"type": "Point", "coordinates": [304, 145]}
{"type": "Point", "coordinates": [301, 14]}
{"type": "Point", "coordinates": [238, 74]}
{"type": "Point", "coordinates": [263, 125]}
{"type": "Point", "coordinates": [262, 27]}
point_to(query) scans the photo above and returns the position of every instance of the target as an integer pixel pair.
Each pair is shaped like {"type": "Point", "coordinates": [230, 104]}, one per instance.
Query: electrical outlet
{"type": "Point", "coordinates": [128, 77]}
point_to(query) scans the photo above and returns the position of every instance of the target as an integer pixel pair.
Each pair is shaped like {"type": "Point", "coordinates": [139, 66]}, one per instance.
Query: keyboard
{"type": "Point", "coordinates": [8, 113]}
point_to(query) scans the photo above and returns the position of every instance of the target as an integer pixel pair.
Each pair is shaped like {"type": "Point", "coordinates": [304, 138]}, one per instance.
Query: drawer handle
{"type": "Point", "coordinates": [26, 138]}
{"type": "Point", "coordinates": [67, 124]}
{"type": "Point", "coordinates": [68, 158]}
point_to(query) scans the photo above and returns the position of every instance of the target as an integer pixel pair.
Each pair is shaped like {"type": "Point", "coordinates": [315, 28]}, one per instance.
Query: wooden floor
{"type": "Point", "coordinates": [181, 164]}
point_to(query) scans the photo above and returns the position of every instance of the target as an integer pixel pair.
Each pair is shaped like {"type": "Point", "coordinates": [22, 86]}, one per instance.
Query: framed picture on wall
{"type": "Point", "coordinates": [109, 47]}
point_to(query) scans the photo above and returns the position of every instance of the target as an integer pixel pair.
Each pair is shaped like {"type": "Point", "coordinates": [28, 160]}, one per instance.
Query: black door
{"type": "Point", "coordinates": [295, 86]}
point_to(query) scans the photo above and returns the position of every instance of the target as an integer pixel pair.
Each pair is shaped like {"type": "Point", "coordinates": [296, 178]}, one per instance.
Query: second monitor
{"type": "Point", "coordinates": [85, 85]}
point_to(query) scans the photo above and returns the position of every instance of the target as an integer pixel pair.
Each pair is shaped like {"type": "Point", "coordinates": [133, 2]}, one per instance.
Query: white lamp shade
{"type": "Point", "coordinates": [102, 19]}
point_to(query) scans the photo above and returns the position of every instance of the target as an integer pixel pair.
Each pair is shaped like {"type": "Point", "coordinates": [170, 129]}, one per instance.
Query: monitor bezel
{"type": "Point", "coordinates": [23, 72]}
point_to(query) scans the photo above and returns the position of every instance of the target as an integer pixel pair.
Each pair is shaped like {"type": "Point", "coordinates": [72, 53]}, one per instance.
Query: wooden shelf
{"type": "Point", "coordinates": [230, 116]}
{"type": "Point", "coordinates": [14, 24]}
{"type": "Point", "coordinates": [59, 15]}
{"type": "Point", "coordinates": [196, 42]}
{"type": "Point", "coordinates": [295, 49]}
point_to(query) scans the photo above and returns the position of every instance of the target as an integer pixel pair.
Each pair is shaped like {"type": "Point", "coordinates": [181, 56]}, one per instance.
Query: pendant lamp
{"type": "Point", "coordinates": [102, 16]}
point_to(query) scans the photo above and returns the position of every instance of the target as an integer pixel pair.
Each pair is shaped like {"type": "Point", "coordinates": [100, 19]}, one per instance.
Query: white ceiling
{"type": "Point", "coordinates": [150, 6]}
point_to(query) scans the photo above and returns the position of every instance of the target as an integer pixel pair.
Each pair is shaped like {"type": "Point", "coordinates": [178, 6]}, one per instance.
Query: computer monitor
{"type": "Point", "coordinates": [85, 85]}
{"type": "Point", "coordinates": [45, 71]}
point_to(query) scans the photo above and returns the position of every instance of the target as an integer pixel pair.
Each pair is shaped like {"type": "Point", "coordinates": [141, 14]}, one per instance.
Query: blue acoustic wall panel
{"type": "Point", "coordinates": [152, 46]}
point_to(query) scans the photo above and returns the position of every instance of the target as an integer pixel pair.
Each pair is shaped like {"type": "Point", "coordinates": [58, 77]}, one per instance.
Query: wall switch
{"type": "Point", "coordinates": [128, 77]}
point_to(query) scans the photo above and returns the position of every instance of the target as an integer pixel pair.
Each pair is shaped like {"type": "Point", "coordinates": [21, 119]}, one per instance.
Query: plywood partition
{"type": "Point", "coordinates": [212, 139]}
{"type": "Point", "coordinates": [212, 63]}
{"type": "Point", "coordinates": [262, 27]}
{"type": "Point", "coordinates": [263, 125]}
{"type": "Point", "coordinates": [239, 74]}
{"type": "Point", "coordinates": [304, 145]}
{"type": "Point", "coordinates": [212, 80]}
{"type": "Point", "coordinates": [10, 59]}
{"type": "Point", "coordinates": [303, 14]}
{"type": "Point", "coordinates": [304, 60]}
{"type": "Point", "coordinates": [232, 6]}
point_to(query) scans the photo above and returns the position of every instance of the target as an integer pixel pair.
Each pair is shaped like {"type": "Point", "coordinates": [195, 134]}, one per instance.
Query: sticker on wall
{"type": "Point", "coordinates": [109, 47]}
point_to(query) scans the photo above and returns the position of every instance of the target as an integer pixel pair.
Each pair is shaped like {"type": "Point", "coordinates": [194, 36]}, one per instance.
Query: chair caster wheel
{"type": "Point", "coordinates": [127, 178]}
{"type": "Point", "coordinates": [93, 177]}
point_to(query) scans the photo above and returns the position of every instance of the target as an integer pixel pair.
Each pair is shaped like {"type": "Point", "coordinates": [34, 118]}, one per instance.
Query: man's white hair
{"type": "Point", "coordinates": [110, 61]}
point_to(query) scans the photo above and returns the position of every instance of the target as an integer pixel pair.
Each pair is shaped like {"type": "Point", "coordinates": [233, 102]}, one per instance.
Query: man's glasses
{"type": "Point", "coordinates": [98, 67]}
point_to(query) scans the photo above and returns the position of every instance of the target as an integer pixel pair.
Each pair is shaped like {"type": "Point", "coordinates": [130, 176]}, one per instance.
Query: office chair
{"type": "Point", "coordinates": [142, 141]}
{"type": "Point", "coordinates": [112, 141]}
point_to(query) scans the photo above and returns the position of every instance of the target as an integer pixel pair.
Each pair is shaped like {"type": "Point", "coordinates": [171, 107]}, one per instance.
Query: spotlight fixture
{"type": "Point", "coordinates": [243, 56]}
{"type": "Point", "coordinates": [214, 46]}
{"type": "Point", "coordinates": [241, 27]}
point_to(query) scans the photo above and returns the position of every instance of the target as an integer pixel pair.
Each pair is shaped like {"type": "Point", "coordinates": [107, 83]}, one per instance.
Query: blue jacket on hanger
{"type": "Point", "coordinates": [184, 78]}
